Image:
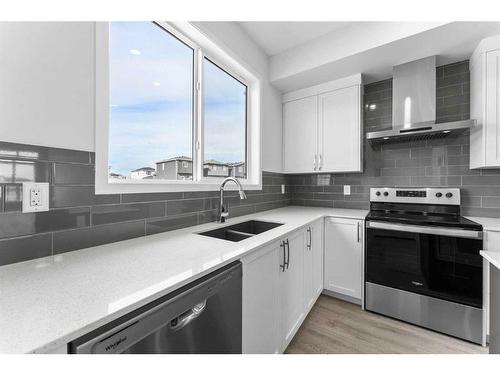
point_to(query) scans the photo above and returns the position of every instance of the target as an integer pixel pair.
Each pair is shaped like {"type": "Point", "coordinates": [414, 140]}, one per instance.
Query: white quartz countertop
{"type": "Point", "coordinates": [47, 302]}
{"type": "Point", "coordinates": [488, 223]}
{"type": "Point", "coordinates": [492, 256]}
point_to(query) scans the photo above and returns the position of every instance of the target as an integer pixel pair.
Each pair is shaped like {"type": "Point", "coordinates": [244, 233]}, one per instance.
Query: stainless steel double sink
{"type": "Point", "coordinates": [241, 231]}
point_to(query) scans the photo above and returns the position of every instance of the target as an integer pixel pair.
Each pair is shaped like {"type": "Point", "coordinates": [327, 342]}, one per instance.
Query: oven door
{"type": "Point", "coordinates": [434, 261]}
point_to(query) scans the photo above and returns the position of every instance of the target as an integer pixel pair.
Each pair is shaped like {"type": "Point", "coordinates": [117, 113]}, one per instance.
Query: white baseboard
{"type": "Point", "coordinates": [343, 297]}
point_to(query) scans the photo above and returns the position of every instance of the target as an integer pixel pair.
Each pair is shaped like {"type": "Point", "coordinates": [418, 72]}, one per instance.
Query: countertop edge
{"type": "Point", "coordinates": [488, 223]}
{"type": "Point", "coordinates": [492, 257]}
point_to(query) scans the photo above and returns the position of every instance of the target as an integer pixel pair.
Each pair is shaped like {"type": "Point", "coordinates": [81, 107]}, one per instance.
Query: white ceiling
{"type": "Point", "coordinates": [302, 54]}
{"type": "Point", "coordinates": [276, 37]}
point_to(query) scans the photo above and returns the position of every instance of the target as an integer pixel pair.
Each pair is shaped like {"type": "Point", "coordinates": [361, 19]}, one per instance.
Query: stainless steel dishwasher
{"type": "Point", "coordinates": [202, 317]}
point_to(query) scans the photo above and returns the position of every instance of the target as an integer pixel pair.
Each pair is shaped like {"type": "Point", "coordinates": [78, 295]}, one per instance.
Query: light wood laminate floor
{"type": "Point", "coordinates": [335, 326]}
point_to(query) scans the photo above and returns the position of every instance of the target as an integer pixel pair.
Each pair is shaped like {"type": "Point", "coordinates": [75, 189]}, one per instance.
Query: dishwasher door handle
{"type": "Point", "coordinates": [183, 320]}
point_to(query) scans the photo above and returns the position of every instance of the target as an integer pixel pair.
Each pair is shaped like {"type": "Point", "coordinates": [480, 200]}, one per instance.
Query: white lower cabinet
{"type": "Point", "coordinates": [343, 257]}
{"type": "Point", "coordinates": [280, 284]}
{"type": "Point", "coordinates": [313, 263]}
{"type": "Point", "coordinates": [291, 287]}
{"type": "Point", "coordinates": [260, 301]}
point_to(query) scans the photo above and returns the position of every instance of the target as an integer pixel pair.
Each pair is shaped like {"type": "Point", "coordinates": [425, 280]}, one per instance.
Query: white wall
{"type": "Point", "coordinates": [237, 42]}
{"type": "Point", "coordinates": [47, 83]}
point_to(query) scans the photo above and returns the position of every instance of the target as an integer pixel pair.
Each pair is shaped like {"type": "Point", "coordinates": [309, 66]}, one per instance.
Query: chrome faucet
{"type": "Point", "coordinates": [223, 212]}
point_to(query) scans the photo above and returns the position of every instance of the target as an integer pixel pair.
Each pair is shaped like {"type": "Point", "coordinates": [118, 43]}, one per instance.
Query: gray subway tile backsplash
{"type": "Point", "coordinates": [20, 249]}
{"type": "Point", "coordinates": [13, 224]}
{"type": "Point", "coordinates": [113, 213]}
{"type": "Point", "coordinates": [150, 197]}
{"type": "Point", "coordinates": [165, 224]}
{"type": "Point", "coordinates": [74, 196]}
{"type": "Point", "coordinates": [12, 171]}
{"type": "Point", "coordinates": [79, 218]}
{"type": "Point", "coordinates": [180, 206]}
{"type": "Point", "coordinates": [12, 197]}
{"type": "Point", "coordinates": [96, 235]}
{"type": "Point", "coordinates": [73, 174]}
{"type": "Point", "coordinates": [20, 151]}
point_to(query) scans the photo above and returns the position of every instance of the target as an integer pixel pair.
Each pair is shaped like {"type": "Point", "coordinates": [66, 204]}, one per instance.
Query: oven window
{"type": "Point", "coordinates": [395, 258]}
{"type": "Point", "coordinates": [443, 267]}
{"type": "Point", "coordinates": [456, 268]}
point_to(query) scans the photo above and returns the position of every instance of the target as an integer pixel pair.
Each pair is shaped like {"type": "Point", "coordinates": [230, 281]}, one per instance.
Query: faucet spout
{"type": "Point", "coordinates": [223, 212]}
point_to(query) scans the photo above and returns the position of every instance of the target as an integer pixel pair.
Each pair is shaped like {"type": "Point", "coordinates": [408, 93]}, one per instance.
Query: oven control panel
{"type": "Point", "coordinates": [416, 195]}
{"type": "Point", "coordinates": [411, 193]}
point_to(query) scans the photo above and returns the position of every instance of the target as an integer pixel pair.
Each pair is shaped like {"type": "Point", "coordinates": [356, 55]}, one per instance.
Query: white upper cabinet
{"type": "Point", "coordinates": [340, 131]}
{"type": "Point", "coordinates": [301, 134]}
{"type": "Point", "coordinates": [322, 127]}
{"type": "Point", "coordinates": [485, 104]}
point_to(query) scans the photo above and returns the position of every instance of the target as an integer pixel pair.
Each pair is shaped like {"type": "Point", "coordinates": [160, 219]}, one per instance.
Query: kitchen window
{"type": "Point", "coordinates": [224, 116]}
{"type": "Point", "coordinates": [151, 98]}
{"type": "Point", "coordinates": [169, 97]}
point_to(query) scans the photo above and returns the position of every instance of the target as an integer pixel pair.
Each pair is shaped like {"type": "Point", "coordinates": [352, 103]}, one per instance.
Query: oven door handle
{"type": "Point", "coordinates": [438, 231]}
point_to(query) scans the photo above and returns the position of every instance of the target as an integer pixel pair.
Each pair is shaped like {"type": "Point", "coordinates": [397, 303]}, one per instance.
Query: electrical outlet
{"type": "Point", "coordinates": [347, 189]}
{"type": "Point", "coordinates": [35, 196]}
{"type": "Point", "coordinates": [282, 189]}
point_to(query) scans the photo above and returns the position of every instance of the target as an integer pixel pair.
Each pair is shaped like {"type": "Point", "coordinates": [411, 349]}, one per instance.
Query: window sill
{"type": "Point", "coordinates": [129, 186]}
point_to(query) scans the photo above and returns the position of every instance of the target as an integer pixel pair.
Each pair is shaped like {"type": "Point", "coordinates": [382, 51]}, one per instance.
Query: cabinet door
{"type": "Point", "coordinates": [291, 295]}
{"type": "Point", "coordinates": [318, 256]}
{"type": "Point", "coordinates": [340, 130]}
{"type": "Point", "coordinates": [300, 128]}
{"type": "Point", "coordinates": [313, 264]}
{"type": "Point", "coordinates": [343, 256]}
{"type": "Point", "coordinates": [260, 331]}
{"type": "Point", "coordinates": [492, 116]}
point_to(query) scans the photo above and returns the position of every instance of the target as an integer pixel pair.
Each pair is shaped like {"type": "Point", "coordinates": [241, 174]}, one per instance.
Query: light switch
{"type": "Point", "coordinates": [347, 189]}
{"type": "Point", "coordinates": [35, 196]}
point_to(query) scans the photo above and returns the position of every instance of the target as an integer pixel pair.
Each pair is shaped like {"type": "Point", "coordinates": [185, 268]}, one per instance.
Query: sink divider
{"type": "Point", "coordinates": [241, 233]}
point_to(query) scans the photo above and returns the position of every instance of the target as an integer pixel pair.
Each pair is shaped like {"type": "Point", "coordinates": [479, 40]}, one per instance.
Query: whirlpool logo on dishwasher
{"type": "Point", "coordinates": [113, 345]}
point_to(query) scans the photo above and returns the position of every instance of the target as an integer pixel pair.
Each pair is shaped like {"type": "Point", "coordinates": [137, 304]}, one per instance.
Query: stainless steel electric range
{"type": "Point", "coordinates": [422, 261]}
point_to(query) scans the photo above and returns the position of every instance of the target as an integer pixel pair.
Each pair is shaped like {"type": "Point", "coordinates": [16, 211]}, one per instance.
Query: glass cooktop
{"type": "Point", "coordinates": [423, 218]}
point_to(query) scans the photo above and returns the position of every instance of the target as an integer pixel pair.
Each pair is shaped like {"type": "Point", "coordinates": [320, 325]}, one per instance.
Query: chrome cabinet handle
{"type": "Point", "coordinates": [309, 245]}
{"type": "Point", "coordinates": [314, 161]}
{"type": "Point", "coordinates": [181, 321]}
{"type": "Point", "coordinates": [283, 266]}
{"type": "Point", "coordinates": [320, 162]}
{"type": "Point", "coordinates": [288, 253]}
{"type": "Point", "coordinates": [358, 226]}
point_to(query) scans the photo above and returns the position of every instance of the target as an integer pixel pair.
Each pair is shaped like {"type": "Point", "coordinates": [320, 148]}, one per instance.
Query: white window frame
{"type": "Point", "coordinates": [203, 47]}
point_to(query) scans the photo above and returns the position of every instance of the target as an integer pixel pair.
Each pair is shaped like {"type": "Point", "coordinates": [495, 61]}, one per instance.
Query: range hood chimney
{"type": "Point", "coordinates": [414, 105]}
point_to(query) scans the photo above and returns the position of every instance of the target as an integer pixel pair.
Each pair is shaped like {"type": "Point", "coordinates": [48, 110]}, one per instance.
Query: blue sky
{"type": "Point", "coordinates": [151, 101]}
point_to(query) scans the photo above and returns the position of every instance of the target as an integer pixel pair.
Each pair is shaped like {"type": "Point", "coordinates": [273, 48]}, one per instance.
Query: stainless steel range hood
{"type": "Point", "coordinates": [414, 104]}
